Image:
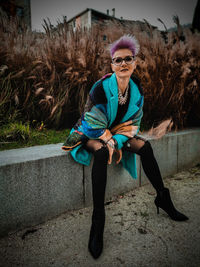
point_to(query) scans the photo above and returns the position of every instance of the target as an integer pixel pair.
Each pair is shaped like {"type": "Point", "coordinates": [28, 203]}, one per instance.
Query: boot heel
{"type": "Point", "coordinates": [163, 201]}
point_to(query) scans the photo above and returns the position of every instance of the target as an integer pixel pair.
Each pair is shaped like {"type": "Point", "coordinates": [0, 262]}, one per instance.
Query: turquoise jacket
{"type": "Point", "coordinates": [134, 109]}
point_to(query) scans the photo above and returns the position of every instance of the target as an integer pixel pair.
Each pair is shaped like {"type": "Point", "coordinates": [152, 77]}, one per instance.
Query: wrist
{"type": "Point", "coordinates": [111, 143]}
{"type": "Point", "coordinates": [115, 142]}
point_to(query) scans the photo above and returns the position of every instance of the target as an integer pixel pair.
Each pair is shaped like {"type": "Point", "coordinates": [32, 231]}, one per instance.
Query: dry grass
{"type": "Point", "coordinates": [47, 77]}
{"type": "Point", "coordinates": [169, 72]}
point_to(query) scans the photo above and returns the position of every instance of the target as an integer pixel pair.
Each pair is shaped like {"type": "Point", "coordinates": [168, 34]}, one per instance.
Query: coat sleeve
{"type": "Point", "coordinates": [136, 120]}
{"type": "Point", "coordinates": [94, 119]}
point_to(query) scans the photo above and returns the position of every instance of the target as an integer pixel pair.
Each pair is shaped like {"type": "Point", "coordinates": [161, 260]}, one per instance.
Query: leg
{"type": "Point", "coordinates": [99, 179]}
{"type": "Point", "coordinates": [99, 173]}
{"type": "Point", "coordinates": [151, 169]}
{"type": "Point", "coordinates": [149, 163]}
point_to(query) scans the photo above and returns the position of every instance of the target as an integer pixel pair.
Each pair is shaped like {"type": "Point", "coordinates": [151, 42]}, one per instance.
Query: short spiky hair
{"type": "Point", "coordinates": [126, 41]}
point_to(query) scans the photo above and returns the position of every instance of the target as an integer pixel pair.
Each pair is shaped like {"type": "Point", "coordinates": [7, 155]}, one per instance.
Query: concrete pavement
{"type": "Point", "coordinates": [134, 234]}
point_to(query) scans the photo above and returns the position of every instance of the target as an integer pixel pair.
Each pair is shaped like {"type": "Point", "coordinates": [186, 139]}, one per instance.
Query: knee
{"type": "Point", "coordinates": [146, 149]}
{"type": "Point", "coordinates": [102, 154]}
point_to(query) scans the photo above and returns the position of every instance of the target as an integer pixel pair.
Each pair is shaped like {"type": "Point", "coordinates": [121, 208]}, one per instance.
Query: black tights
{"type": "Point", "coordinates": [99, 178]}
{"type": "Point", "coordinates": [99, 169]}
{"type": "Point", "coordinates": [149, 163]}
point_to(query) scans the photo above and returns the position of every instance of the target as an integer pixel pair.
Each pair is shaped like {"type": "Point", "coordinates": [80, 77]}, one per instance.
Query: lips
{"type": "Point", "coordinates": [124, 70]}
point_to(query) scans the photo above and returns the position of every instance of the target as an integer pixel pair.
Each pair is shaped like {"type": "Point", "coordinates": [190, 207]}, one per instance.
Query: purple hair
{"type": "Point", "coordinates": [126, 41]}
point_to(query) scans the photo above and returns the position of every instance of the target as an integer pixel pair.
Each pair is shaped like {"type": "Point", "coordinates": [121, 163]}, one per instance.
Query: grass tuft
{"type": "Point", "coordinates": [17, 135]}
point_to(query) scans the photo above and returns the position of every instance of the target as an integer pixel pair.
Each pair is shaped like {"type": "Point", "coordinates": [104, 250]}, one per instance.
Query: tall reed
{"type": "Point", "coordinates": [47, 76]}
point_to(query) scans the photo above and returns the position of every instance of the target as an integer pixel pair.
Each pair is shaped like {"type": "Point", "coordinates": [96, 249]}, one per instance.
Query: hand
{"type": "Point", "coordinates": [119, 155]}
{"type": "Point", "coordinates": [111, 151]}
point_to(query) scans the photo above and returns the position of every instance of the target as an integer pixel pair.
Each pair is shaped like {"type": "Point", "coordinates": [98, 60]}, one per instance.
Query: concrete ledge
{"type": "Point", "coordinates": [188, 149]}
{"type": "Point", "coordinates": [34, 190]}
{"type": "Point", "coordinates": [41, 182]}
{"type": "Point", "coordinates": [118, 181]}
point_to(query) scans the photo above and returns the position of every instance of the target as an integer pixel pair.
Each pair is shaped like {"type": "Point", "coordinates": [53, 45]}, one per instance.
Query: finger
{"type": "Point", "coordinates": [110, 154]}
{"type": "Point", "coordinates": [119, 156]}
{"type": "Point", "coordinates": [118, 161]}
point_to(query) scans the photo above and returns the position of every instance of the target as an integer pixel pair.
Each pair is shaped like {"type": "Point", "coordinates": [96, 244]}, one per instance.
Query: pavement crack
{"type": "Point", "coordinates": [31, 231]}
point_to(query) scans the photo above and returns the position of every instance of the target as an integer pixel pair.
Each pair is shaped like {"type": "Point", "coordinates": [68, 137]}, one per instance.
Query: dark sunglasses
{"type": "Point", "coordinates": [118, 60]}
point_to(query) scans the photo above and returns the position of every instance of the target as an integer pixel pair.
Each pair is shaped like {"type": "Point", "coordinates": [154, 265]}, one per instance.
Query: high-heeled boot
{"type": "Point", "coordinates": [163, 201]}
{"type": "Point", "coordinates": [95, 244]}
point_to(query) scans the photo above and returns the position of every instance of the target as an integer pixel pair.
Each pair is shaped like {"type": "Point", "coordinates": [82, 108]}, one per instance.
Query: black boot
{"type": "Point", "coordinates": [163, 201]}
{"type": "Point", "coordinates": [99, 179]}
{"type": "Point", "coordinates": [95, 244]}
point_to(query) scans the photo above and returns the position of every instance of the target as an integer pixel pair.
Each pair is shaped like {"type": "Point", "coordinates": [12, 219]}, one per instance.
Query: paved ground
{"type": "Point", "coordinates": [134, 234]}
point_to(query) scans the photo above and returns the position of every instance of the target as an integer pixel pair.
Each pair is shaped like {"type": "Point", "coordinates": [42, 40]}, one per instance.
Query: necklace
{"type": "Point", "coordinates": [123, 99]}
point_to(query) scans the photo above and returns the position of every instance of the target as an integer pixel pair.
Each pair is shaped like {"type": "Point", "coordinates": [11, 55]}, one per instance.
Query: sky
{"type": "Point", "coordinates": [128, 9]}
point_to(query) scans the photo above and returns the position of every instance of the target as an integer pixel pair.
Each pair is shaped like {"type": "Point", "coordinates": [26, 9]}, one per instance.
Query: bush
{"type": "Point", "coordinates": [47, 77]}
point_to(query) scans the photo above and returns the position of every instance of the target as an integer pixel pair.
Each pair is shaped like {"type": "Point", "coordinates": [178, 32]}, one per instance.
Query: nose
{"type": "Point", "coordinates": [123, 62]}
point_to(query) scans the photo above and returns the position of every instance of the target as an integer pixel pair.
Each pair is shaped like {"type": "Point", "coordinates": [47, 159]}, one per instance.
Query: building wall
{"type": "Point", "coordinates": [81, 21]}
{"type": "Point", "coordinates": [85, 19]}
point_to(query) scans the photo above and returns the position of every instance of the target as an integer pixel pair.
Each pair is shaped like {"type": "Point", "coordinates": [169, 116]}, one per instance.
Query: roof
{"type": "Point", "coordinates": [93, 10]}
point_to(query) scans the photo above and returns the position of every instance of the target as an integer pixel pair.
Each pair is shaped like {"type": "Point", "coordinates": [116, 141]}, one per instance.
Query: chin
{"type": "Point", "coordinates": [124, 75]}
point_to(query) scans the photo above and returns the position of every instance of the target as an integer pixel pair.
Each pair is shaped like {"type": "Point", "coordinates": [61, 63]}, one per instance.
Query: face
{"type": "Point", "coordinates": [125, 70]}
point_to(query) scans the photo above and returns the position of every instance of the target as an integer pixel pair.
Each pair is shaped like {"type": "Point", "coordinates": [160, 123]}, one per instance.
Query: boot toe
{"type": "Point", "coordinates": [95, 247]}
{"type": "Point", "coordinates": [182, 217]}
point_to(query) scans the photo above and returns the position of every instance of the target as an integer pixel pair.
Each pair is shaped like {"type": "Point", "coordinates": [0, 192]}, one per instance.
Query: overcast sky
{"type": "Point", "coordinates": [128, 9]}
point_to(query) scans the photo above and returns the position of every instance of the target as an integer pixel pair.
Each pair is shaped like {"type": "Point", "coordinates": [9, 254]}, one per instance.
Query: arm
{"type": "Point", "coordinates": [129, 129]}
{"type": "Point", "coordinates": [94, 119]}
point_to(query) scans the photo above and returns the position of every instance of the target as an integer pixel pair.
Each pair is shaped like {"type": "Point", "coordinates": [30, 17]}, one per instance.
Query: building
{"type": "Point", "coordinates": [90, 17]}
{"type": "Point", "coordinates": [17, 8]}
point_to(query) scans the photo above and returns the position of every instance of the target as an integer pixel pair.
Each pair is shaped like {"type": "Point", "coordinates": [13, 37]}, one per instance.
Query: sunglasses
{"type": "Point", "coordinates": [118, 60]}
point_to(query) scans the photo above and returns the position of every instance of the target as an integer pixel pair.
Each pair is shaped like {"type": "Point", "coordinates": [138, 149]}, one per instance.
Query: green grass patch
{"type": "Point", "coordinates": [18, 135]}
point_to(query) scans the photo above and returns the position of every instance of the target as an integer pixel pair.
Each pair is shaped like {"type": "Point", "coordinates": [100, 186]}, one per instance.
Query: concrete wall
{"type": "Point", "coordinates": [41, 182]}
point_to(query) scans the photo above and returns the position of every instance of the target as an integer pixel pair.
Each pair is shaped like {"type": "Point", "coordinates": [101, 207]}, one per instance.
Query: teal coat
{"type": "Point", "coordinates": [135, 108]}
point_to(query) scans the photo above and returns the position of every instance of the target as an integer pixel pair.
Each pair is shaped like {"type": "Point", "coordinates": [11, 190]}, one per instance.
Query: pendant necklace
{"type": "Point", "coordinates": [122, 99]}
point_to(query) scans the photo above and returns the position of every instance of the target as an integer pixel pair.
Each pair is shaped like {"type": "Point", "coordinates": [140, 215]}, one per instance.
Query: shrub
{"type": "Point", "coordinates": [47, 77]}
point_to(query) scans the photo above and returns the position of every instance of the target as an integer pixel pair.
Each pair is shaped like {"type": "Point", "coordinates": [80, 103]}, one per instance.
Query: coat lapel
{"type": "Point", "coordinates": [111, 90]}
{"type": "Point", "coordinates": [134, 98]}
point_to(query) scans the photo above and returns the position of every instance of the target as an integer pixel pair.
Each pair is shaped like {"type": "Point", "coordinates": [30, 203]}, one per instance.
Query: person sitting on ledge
{"type": "Point", "coordinates": [110, 124]}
